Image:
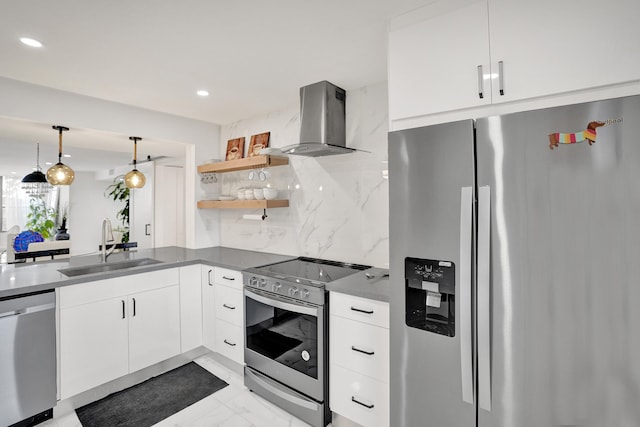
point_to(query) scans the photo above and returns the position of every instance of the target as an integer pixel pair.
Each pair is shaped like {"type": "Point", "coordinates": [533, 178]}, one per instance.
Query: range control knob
{"type": "Point", "coordinates": [275, 287]}
{"type": "Point", "coordinates": [253, 281]}
{"type": "Point", "coordinates": [263, 283]}
{"type": "Point", "coordinates": [304, 293]}
{"type": "Point", "coordinates": [293, 291]}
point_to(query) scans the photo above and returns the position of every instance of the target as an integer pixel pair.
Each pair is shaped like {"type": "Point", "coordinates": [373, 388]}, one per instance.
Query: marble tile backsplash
{"type": "Point", "coordinates": [338, 205]}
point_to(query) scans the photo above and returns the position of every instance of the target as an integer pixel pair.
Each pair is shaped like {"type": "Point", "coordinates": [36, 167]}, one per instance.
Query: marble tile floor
{"type": "Point", "coordinates": [233, 406]}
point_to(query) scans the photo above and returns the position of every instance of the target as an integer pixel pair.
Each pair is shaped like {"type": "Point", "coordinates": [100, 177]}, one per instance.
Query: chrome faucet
{"type": "Point", "coordinates": [107, 236]}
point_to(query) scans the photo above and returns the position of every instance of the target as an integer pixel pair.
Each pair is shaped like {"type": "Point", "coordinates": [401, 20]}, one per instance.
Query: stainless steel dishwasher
{"type": "Point", "coordinates": [27, 358]}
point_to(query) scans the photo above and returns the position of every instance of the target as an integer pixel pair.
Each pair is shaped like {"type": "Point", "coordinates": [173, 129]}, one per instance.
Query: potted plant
{"type": "Point", "coordinates": [119, 192]}
{"type": "Point", "coordinates": [40, 218]}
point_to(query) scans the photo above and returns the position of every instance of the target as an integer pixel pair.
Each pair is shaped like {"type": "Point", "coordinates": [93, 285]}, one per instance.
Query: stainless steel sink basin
{"type": "Point", "coordinates": [108, 266]}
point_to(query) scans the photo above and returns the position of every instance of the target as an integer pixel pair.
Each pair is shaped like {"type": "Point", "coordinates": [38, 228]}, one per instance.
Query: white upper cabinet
{"type": "Point", "coordinates": [555, 46]}
{"type": "Point", "coordinates": [434, 63]}
{"type": "Point", "coordinates": [527, 49]}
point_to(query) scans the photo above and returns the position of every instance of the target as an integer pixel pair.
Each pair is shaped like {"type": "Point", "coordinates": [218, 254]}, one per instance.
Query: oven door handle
{"type": "Point", "coordinates": [275, 301]}
{"type": "Point", "coordinates": [280, 390]}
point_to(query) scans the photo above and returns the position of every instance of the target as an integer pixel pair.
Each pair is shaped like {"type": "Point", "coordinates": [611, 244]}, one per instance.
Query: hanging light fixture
{"type": "Point", "coordinates": [60, 174]}
{"type": "Point", "coordinates": [35, 183]}
{"type": "Point", "coordinates": [134, 178]}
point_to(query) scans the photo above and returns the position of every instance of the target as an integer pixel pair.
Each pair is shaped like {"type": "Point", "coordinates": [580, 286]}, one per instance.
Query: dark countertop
{"type": "Point", "coordinates": [371, 283]}
{"type": "Point", "coordinates": [17, 279]}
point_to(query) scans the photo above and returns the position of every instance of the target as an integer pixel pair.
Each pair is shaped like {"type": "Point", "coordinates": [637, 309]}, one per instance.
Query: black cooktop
{"type": "Point", "coordinates": [317, 270]}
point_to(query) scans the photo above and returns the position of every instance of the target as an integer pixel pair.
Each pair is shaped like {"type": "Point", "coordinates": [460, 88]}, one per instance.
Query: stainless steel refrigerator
{"type": "Point", "coordinates": [515, 269]}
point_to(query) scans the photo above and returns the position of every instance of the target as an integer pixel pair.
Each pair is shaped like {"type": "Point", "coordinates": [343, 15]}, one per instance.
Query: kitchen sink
{"type": "Point", "coordinates": [108, 266]}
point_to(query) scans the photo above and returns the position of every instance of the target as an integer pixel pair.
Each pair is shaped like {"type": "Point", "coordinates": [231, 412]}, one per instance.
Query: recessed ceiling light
{"type": "Point", "coordinates": [203, 93]}
{"type": "Point", "coordinates": [48, 163]}
{"type": "Point", "coordinates": [30, 42]}
{"type": "Point", "coordinates": [66, 155]}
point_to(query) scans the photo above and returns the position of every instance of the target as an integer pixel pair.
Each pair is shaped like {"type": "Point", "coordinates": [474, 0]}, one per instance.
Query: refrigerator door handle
{"type": "Point", "coordinates": [466, 254]}
{"type": "Point", "coordinates": [484, 298]}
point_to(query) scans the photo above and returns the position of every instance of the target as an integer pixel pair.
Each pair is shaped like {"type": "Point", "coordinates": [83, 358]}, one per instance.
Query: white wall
{"type": "Point", "coordinates": [339, 205]}
{"type": "Point", "coordinates": [87, 208]}
{"type": "Point", "coordinates": [26, 101]}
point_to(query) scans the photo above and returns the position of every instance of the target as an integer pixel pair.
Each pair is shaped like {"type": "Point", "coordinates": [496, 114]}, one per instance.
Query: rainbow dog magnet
{"type": "Point", "coordinates": [589, 134]}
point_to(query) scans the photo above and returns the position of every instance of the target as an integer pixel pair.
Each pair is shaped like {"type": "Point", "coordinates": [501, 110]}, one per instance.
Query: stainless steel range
{"type": "Point", "coordinates": [286, 334]}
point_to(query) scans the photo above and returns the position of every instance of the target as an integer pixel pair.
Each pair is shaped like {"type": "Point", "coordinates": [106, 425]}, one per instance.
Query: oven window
{"type": "Point", "coordinates": [282, 335]}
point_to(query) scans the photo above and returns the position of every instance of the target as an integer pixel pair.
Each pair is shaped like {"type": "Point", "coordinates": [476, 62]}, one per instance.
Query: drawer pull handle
{"type": "Point", "coordinates": [209, 277]}
{"type": "Point", "coordinates": [232, 344]}
{"type": "Point", "coordinates": [228, 278]}
{"type": "Point", "coordinates": [359, 310]}
{"type": "Point", "coordinates": [228, 306]}
{"type": "Point", "coordinates": [369, 353]}
{"type": "Point", "coordinates": [353, 399]}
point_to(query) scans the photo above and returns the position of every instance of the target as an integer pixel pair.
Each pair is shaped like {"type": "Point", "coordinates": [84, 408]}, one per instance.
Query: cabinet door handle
{"type": "Point", "coordinates": [501, 78]}
{"type": "Point", "coordinates": [369, 353]}
{"type": "Point", "coordinates": [123, 309]}
{"type": "Point", "coordinates": [147, 229]}
{"type": "Point", "coordinates": [232, 344]}
{"type": "Point", "coordinates": [134, 307]}
{"type": "Point", "coordinates": [359, 310]}
{"type": "Point", "coordinates": [209, 275]}
{"type": "Point", "coordinates": [353, 399]}
{"type": "Point", "coordinates": [228, 306]}
{"type": "Point", "coordinates": [228, 278]}
{"type": "Point", "coordinates": [480, 83]}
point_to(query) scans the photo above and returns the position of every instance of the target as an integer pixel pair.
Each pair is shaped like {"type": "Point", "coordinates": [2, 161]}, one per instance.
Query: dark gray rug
{"type": "Point", "coordinates": [149, 402]}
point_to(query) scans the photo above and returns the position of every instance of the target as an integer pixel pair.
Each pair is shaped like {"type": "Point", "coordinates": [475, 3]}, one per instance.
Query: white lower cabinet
{"type": "Point", "coordinates": [229, 314]}
{"type": "Point", "coordinates": [154, 327]}
{"type": "Point", "coordinates": [190, 307]}
{"type": "Point", "coordinates": [94, 345]}
{"type": "Point", "coordinates": [359, 359]}
{"type": "Point", "coordinates": [228, 304]}
{"type": "Point", "coordinates": [109, 328]}
{"type": "Point", "coordinates": [229, 341]}
{"type": "Point", "coordinates": [208, 308]}
{"type": "Point", "coordinates": [358, 397]}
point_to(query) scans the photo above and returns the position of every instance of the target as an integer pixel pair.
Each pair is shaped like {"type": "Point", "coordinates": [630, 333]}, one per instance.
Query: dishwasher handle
{"type": "Point", "coordinates": [28, 310]}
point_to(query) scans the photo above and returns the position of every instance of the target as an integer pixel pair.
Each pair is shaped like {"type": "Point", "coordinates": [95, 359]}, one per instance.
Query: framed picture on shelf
{"type": "Point", "coordinates": [258, 142]}
{"type": "Point", "coordinates": [235, 149]}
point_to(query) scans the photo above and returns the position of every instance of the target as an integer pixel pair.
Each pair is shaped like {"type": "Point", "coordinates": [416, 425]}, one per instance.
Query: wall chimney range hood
{"type": "Point", "coordinates": [322, 122]}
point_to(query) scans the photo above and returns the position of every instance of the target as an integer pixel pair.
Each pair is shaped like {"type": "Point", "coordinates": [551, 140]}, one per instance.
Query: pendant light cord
{"type": "Point", "coordinates": [135, 140]}
{"type": "Point", "coordinates": [60, 145]}
{"type": "Point", "coordinates": [135, 152]}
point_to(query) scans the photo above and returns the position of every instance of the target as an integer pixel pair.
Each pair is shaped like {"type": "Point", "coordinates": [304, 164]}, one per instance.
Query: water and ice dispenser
{"type": "Point", "coordinates": [430, 295]}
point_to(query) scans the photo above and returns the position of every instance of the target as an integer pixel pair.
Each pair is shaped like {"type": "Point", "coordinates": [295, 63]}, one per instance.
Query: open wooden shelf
{"type": "Point", "coordinates": [261, 161]}
{"type": "Point", "coordinates": [242, 204]}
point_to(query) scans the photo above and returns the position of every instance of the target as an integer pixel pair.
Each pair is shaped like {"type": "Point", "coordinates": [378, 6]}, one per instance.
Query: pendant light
{"type": "Point", "coordinates": [35, 183]}
{"type": "Point", "coordinates": [60, 174]}
{"type": "Point", "coordinates": [134, 178]}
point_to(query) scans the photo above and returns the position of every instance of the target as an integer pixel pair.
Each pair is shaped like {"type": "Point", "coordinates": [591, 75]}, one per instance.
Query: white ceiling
{"type": "Point", "coordinates": [18, 141]}
{"type": "Point", "coordinates": [251, 55]}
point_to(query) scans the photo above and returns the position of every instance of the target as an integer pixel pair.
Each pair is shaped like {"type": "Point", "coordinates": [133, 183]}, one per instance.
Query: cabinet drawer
{"type": "Point", "coordinates": [228, 304]}
{"type": "Point", "coordinates": [229, 341]}
{"type": "Point", "coordinates": [358, 397]}
{"type": "Point", "coordinates": [360, 347]}
{"type": "Point", "coordinates": [360, 309]}
{"type": "Point", "coordinates": [100, 290]}
{"type": "Point", "coordinates": [224, 276]}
